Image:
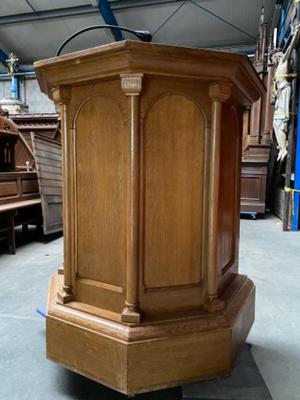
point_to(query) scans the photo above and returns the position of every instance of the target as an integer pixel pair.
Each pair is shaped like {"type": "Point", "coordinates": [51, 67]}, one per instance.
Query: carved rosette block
{"type": "Point", "coordinates": [131, 84]}
{"type": "Point", "coordinates": [150, 294]}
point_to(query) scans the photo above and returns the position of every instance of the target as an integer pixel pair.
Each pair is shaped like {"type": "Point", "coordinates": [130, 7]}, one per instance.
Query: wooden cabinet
{"type": "Point", "coordinates": [258, 131]}
{"type": "Point", "coordinates": [150, 295]}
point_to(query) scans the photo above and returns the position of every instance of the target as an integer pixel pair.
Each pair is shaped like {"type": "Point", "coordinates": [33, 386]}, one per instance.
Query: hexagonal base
{"type": "Point", "coordinates": [135, 359]}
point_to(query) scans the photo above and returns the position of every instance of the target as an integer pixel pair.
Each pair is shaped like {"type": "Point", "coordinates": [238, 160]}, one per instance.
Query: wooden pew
{"type": "Point", "coordinates": [19, 213]}
{"type": "Point", "coordinates": [20, 203]}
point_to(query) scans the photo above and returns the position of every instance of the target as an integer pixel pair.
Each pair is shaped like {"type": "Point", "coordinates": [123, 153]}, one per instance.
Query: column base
{"type": "Point", "coordinates": [130, 316]}
{"type": "Point", "coordinates": [151, 356]}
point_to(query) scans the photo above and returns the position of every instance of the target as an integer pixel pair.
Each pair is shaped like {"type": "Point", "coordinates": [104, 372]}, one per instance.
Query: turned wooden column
{"type": "Point", "coordinates": [218, 93]}
{"type": "Point", "coordinates": [61, 97]}
{"type": "Point", "coordinates": [132, 86]}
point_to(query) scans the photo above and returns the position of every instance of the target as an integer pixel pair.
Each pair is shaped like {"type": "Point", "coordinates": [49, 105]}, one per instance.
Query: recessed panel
{"type": "Point", "coordinates": [8, 188]}
{"type": "Point", "coordinates": [101, 149]}
{"type": "Point", "coordinates": [250, 187]}
{"type": "Point", "coordinates": [30, 186]}
{"type": "Point", "coordinates": [173, 146]}
{"type": "Point", "coordinates": [228, 188]}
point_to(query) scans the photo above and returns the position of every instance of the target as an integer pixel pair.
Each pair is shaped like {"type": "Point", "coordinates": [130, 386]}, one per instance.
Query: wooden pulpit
{"type": "Point", "coordinates": [150, 294]}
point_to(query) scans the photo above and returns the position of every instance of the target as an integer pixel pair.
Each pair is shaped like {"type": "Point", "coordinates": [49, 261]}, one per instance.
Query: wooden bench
{"type": "Point", "coordinates": [18, 213]}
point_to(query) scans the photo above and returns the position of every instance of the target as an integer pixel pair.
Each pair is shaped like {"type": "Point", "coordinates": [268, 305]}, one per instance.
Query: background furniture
{"type": "Point", "coordinates": [150, 294]}
{"type": "Point", "coordinates": [19, 192]}
{"type": "Point", "coordinates": [30, 175]}
{"type": "Point", "coordinates": [257, 132]}
{"type": "Point", "coordinates": [40, 145]}
{"type": "Point", "coordinates": [47, 155]}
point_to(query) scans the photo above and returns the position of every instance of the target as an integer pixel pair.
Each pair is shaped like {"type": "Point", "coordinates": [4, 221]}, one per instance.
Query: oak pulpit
{"type": "Point", "coordinates": [150, 294]}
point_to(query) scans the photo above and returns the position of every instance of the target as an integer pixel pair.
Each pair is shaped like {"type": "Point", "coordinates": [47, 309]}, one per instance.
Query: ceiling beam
{"type": "Point", "coordinates": [109, 18]}
{"type": "Point", "coordinates": [78, 10]}
{"type": "Point", "coordinates": [48, 14]}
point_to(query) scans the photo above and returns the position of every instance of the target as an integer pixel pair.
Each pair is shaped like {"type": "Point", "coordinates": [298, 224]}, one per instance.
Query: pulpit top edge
{"type": "Point", "coordinates": [153, 59]}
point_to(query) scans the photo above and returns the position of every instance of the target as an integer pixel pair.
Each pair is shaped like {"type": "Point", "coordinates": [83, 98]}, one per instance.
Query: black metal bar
{"type": "Point", "coordinates": [222, 19]}
{"type": "Point", "coordinates": [145, 36]}
{"type": "Point", "coordinates": [31, 6]}
{"type": "Point", "coordinates": [169, 17]}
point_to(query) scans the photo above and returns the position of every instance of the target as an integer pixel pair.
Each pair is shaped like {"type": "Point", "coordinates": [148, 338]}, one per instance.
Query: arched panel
{"type": "Point", "coordinates": [101, 169]}
{"type": "Point", "coordinates": [173, 151]}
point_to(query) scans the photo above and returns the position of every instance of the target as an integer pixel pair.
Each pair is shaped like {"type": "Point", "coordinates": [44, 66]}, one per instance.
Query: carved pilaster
{"type": "Point", "coordinates": [132, 86]}
{"type": "Point", "coordinates": [218, 94]}
{"type": "Point", "coordinates": [62, 97]}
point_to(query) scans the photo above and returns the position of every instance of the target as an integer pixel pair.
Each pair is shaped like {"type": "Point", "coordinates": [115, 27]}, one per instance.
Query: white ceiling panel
{"type": "Point", "coordinates": [43, 5]}
{"type": "Point", "coordinates": [11, 7]}
{"type": "Point", "coordinates": [190, 26]}
{"type": "Point", "coordinates": [202, 30]}
{"type": "Point", "coordinates": [32, 42]}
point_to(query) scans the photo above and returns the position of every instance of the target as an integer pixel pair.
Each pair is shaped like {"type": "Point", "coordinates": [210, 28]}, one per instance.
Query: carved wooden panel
{"type": "Point", "coordinates": [101, 169]}
{"type": "Point", "coordinates": [173, 146]}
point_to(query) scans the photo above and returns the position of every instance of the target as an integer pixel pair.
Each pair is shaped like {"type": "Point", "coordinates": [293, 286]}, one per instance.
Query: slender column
{"type": "Point", "coordinates": [268, 115]}
{"type": "Point", "coordinates": [218, 94]}
{"type": "Point", "coordinates": [61, 97]}
{"type": "Point", "coordinates": [132, 86]}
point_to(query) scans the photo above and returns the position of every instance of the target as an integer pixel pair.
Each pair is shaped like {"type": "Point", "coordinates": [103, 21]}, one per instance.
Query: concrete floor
{"type": "Point", "coordinates": [268, 255]}
{"type": "Point", "coordinates": [244, 383]}
{"type": "Point", "coordinates": [271, 258]}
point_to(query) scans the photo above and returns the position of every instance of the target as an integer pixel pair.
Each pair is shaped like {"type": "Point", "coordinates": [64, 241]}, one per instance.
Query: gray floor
{"type": "Point", "coordinates": [271, 258]}
{"type": "Point", "coordinates": [268, 255]}
{"type": "Point", "coordinates": [245, 383]}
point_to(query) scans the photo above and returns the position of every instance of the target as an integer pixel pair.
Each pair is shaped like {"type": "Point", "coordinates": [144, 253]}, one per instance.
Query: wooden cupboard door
{"type": "Point", "coordinates": [173, 154]}
{"type": "Point", "coordinates": [101, 180]}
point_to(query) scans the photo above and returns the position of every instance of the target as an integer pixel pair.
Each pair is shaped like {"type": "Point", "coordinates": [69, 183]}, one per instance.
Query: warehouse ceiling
{"type": "Point", "coordinates": [33, 29]}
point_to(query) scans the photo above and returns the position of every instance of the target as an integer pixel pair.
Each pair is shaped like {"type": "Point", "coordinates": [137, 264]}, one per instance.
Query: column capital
{"type": "Point", "coordinates": [61, 95]}
{"type": "Point", "coordinates": [220, 91]}
{"type": "Point", "coordinates": [131, 84]}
